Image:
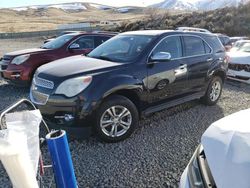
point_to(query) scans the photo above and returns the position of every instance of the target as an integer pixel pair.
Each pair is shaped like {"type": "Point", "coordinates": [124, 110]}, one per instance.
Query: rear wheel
{"type": "Point", "coordinates": [214, 91]}
{"type": "Point", "coordinates": [116, 119]}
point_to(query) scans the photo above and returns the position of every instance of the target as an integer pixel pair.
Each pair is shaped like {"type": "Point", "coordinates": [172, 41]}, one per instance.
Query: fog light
{"type": "Point", "coordinates": [16, 75]}
{"type": "Point", "coordinates": [66, 117]}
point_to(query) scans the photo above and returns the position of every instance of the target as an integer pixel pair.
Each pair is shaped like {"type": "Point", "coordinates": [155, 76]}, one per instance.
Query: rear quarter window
{"type": "Point", "coordinates": [195, 46]}
{"type": "Point", "coordinates": [215, 43]}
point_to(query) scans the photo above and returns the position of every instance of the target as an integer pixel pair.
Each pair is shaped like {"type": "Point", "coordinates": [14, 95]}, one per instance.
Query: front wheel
{"type": "Point", "coordinates": [116, 119]}
{"type": "Point", "coordinates": [214, 91]}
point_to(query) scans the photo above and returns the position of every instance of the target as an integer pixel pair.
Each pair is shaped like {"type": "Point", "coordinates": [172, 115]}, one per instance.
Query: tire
{"type": "Point", "coordinates": [214, 91]}
{"type": "Point", "coordinates": [116, 119]}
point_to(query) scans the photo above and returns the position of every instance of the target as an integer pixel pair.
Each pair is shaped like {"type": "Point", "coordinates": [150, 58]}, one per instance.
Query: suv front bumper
{"type": "Point", "coordinates": [15, 76]}
{"type": "Point", "coordinates": [197, 173]}
{"type": "Point", "coordinates": [184, 182]}
{"type": "Point", "coordinates": [66, 114]}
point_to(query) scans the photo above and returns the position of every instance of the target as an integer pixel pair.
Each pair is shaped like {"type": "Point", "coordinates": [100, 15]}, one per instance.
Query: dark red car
{"type": "Point", "coordinates": [18, 67]}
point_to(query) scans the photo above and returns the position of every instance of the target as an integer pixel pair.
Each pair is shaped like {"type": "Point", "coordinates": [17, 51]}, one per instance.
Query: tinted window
{"type": "Point", "coordinates": [58, 42]}
{"type": "Point", "coordinates": [194, 46]}
{"type": "Point", "coordinates": [122, 48]}
{"type": "Point", "coordinates": [208, 50]}
{"type": "Point", "coordinates": [100, 39]}
{"type": "Point", "coordinates": [215, 43]}
{"type": "Point", "coordinates": [227, 40]}
{"type": "Point", "coordinates": [86, 42]}
{"type": "Point", "coordinates": [171, 45]}
{"type": "Point", "coordinates": [222, 40]}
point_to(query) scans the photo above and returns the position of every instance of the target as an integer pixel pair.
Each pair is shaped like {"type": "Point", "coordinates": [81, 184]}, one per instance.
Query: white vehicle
{"type": "Point", "coordinates": [235, 39]}
{"type": "Point", "coordinates": [239, 64]}
{"type": "Point", "coordinates": [223, 158]}
{"type": "Point", "coordinates": [237, 45]}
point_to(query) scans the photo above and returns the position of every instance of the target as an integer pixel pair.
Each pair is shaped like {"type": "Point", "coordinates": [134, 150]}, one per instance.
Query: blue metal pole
{"type": "Point", "coordinates": [61, 159]}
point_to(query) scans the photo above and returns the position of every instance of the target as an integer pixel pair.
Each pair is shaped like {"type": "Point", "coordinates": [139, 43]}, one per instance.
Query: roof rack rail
{"type": "Point", "coordinates": [105, 32]}
{"type": "Point", "coordinates": [193, 29]}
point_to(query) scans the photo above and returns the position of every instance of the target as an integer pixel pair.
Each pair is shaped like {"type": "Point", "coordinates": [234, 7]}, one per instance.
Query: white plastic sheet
{"type": "Point", "coordinates": [19, 147]}
{"type": "Point", "coordinates": [227, 147]}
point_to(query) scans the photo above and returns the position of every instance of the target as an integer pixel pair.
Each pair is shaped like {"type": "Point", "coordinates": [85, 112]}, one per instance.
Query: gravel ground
{"type": "Point", "coordinates": [156, 154]}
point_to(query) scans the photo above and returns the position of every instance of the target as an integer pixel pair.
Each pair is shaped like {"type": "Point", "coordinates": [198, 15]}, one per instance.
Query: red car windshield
{"type": "Point", "coordinates": [58, 42]}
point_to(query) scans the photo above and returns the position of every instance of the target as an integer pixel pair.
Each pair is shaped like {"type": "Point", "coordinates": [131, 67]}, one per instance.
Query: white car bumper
{"type": "Point", "coordinates": [242, 76]}
{"type": "Point", "coordinates": [184, 183]}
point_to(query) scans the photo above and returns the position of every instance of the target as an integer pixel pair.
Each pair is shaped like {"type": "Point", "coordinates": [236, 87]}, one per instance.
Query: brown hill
{"type": "Point", "coordinates": [46, 19]}
{"type": "Point", "coordinates": [231, 21]}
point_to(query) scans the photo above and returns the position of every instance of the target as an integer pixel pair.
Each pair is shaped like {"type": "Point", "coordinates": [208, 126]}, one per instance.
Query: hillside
{"type": "Point", "coordinates": [47, 17]}
{"type": "Point", "coordinates": [198, 4]}
{"type": "Point", "coordinates": [231, 21]}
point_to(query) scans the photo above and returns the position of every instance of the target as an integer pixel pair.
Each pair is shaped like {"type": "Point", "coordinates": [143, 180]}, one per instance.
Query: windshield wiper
{"type": "Point", "coordinates": [103, 58]}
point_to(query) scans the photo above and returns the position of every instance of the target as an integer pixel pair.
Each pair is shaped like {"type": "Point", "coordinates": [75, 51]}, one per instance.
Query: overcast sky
{"type": "Point", "coordinates": [17, 3]}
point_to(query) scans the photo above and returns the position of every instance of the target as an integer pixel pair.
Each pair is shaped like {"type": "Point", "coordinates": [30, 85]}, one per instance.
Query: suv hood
{"type": "Point", "coordinates": [70, 66]}
{"type": "Point", "coordinates": [227, 147]}
{"type": "Point", "coordinates": [26, 51]}
{"type": "Point", "coordinates": [239, 57]}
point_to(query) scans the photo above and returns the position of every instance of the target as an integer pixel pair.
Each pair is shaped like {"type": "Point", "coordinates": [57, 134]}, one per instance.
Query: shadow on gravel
{"type": "Point", "coordinates": [9, 94]}
{"type": "Point", "coordinates": [154, 156]}
{"type": "Point", "coordinates": [237, 86]}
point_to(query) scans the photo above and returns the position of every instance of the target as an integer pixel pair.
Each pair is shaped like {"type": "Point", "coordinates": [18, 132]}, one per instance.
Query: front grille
{"type": "Point", "coordinates": [43, 83]}
{"type": "Point", "coordinates": [39, 98]}
{"type": "Point", "coordinates": [239, 67]}
{"type": "Point", "coordinates": [5, 60]}
{"type": "Point", "coordinates": [4, 67]}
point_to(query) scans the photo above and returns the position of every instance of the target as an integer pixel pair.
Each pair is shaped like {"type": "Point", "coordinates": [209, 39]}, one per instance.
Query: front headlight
{"type": "Point", "coordinates": [73, 86]}
{"type": "Point", "coordinates": [20, 59]}
{"type": "Point", "coordinates": [194, 173]}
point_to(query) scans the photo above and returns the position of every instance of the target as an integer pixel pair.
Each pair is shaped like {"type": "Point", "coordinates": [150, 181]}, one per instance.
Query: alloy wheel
{"type": "Point", "coordinates": [116, 121]}
{"type": "Point", "coordinates": [216, 90]}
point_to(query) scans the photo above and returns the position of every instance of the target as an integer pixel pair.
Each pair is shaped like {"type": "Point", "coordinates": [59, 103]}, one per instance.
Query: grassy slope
{"type": "Point", "coordinates": [232, 21]}
{"type": "Point", "coordinates": [35, 20]}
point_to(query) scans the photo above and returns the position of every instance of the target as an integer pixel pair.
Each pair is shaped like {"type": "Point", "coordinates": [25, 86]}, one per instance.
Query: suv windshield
{"type": "Point", "coordinates": [245, 48]}
{"type": "Point", "coordinates": [58, 42]}
{"type": "Point", "coordinates": [123, 48]}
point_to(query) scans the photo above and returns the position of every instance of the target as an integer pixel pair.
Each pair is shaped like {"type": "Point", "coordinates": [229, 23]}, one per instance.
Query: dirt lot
{"type": "Point", "coordinates": [9, 45]}
{"type": "Point", "coordinates": [155, 155]}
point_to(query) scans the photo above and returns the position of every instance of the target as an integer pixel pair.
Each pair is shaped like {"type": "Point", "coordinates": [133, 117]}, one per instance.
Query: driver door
{"type": "Point", "coordinates": [82, 45]}
{"type": "Point", "coordinates": [167, 79]}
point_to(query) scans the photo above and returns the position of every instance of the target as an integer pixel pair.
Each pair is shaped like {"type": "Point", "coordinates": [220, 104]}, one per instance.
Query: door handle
{"type": "Point", "coordinates": [181, 70]}
{"type": "Point", "coordinates": [210, 59]}
{"type": "Point", "coordinates": [183, 66]}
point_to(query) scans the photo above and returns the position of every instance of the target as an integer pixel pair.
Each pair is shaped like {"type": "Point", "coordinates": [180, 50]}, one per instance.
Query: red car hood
{"type": "Point", "coordinates": [26, 51]}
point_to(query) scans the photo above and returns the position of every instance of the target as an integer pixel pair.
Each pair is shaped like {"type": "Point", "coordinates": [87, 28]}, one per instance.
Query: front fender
{"type": "Point", "coordinates": [111, 85]}
{"type": "Point", "coordinates": [122, 82]}
{"type": "Point", "coordinates": [117, 83]}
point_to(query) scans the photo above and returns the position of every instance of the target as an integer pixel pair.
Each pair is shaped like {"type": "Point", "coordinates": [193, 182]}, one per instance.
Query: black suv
{"type": "Point", "coordinates": [131, 75]}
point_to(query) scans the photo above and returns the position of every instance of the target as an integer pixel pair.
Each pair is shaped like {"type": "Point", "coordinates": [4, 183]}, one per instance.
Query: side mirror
{"type": "Point", "coordinates": [74, 46]}
{"type": "Point", "coordinates": [161, 56]}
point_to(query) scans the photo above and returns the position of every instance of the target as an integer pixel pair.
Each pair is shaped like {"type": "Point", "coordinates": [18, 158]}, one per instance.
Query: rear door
{"type": "Point", "coordinates": [167, 79]}
{"type": "Point", "coordinates": [198, 56]}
